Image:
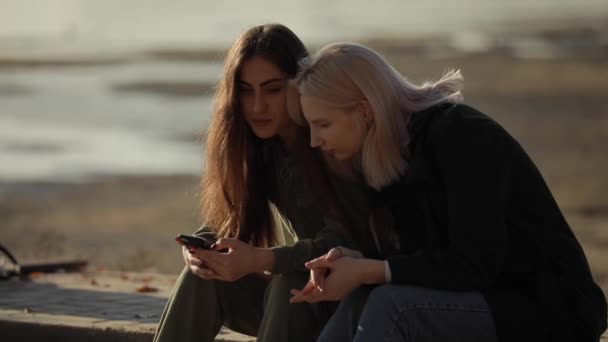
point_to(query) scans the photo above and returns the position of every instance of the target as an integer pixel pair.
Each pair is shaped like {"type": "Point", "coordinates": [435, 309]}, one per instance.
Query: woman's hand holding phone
{"type": "Point", "coordinates": [195, 264]}
{"type": "Point", "coordinates": [238, 260]}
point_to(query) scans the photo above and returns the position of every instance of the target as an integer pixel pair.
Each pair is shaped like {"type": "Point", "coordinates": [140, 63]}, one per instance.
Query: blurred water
{"type": "Point", "coordinates": [60, 123]}
{"type": "Point", "coordinates": [70, 123]}
{"type": "Point", "coordinates": [153, 22]}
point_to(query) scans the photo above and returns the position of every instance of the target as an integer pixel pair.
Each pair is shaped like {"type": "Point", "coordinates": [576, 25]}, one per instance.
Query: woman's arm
{"type": "Point", "coordinates": [292, 258]}
{"type": "Point", "coordinates": [316, 232]}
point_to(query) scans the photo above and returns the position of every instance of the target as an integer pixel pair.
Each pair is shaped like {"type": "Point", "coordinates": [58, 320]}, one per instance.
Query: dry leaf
{"type": "Point", "coordinates": [35, 275]}
{"type": "Point", "coordinates": [146, 288]}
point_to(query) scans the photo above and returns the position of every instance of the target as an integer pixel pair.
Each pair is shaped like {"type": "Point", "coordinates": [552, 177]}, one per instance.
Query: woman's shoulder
{"type": "Point", "coordinates": [460, 114]}
{"type": "Point", "coordinates": [452, 129]}
{"type": "Point", "coordinates": [460, 120]}
{"type": "Point", "coordinates": [443, 115]}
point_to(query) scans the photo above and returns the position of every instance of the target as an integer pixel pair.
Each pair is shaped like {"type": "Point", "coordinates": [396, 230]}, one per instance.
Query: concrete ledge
{"type": "Point", "coordinates": [62, 332]}
{"type": "Point", "coordinates": [98, 306]}
{"type": "Point", "coordinates": [45, 331]}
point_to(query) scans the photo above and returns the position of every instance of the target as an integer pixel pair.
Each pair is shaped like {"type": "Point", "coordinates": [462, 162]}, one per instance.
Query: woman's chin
{"type": "Point", "coordinates": [341, 156]}
{"type": "Point", "coordinates": [264, 133]}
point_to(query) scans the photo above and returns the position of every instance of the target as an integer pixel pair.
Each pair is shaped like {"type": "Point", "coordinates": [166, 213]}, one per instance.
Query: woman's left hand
{"type": "Point", "coordinates": [343, 277]}
{"type": "Point", "coordinates": [239, 260]}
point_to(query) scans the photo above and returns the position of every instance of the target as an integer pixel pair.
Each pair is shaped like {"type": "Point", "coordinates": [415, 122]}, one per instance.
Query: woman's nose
{"type": "Point", "coordinates": [259, 104]}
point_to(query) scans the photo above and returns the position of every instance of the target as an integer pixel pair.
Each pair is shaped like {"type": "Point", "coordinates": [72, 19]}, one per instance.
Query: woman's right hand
{"type": "Point", "coordinates": [318, 275]}
{"type": "Point", "coordinates": [344, 274]}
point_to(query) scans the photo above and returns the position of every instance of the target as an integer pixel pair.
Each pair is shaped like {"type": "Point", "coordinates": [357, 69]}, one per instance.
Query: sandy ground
{"type": "Point", "coordinates": [119, 223]}
{"type": "Point", "coordinates": [553, 104]}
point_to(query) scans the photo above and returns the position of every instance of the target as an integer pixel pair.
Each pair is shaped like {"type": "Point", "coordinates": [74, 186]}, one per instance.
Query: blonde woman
{"type": "Point", "coordinates": [482, 251]}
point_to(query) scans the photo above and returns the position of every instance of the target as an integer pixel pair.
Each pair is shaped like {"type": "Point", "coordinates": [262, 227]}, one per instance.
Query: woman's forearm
{"type": "Point", "coordinates": [371, 271]}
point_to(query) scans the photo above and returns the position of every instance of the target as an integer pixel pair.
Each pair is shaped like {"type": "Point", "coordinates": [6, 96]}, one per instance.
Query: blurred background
{"type": "Point", "coordinates": [102, 104]}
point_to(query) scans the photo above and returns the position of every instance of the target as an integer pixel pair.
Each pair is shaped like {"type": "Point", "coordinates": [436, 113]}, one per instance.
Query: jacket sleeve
{"type": "Point", "coordinates": [472, 157]}
{"type": "Point", "coordinates": [291, 258]}
{"type": "Point", "coordinates": [317, 233]}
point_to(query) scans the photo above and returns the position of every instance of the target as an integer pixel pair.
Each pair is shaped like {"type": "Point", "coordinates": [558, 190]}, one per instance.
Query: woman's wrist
{"type": "Point", "coordinates": [263, 260]}
{"type": "Point", "coordinates": [371, 271]}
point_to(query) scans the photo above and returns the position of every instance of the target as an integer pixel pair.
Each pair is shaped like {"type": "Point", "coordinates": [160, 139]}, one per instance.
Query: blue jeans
{"type": "Point", "coordinates": [414, 314]}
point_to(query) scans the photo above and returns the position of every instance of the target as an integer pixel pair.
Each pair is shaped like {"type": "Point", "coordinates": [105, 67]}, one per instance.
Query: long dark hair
{"type": "Point", "coordinates": [235, 185]}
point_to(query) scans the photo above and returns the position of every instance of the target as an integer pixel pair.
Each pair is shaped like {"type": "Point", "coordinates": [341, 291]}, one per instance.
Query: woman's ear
{"type": "Point", "coordinates": [368, 113]}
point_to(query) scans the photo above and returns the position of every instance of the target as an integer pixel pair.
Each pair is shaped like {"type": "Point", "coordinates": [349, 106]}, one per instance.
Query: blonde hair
{"type": "Point", "coordinates": [347, 74]}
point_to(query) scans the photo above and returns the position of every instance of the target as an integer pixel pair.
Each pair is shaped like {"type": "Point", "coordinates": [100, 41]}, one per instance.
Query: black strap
{"type": "Point", "coordinates": [5, 274]}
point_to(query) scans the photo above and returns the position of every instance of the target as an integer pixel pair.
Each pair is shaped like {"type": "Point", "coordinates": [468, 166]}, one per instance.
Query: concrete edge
{"type": "Point", "coordinates": [32, 331]}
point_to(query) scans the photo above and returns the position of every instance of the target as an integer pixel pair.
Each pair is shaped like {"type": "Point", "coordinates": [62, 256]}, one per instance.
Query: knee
{"type": "Point", "coordinates": [283, 283]}
{"type": "Point", "coordinates": [392, 299]}
{"type": "Point", "coordinates": [385, 306]}
{"type": "Point", "coordinates": [379, 302]}
{"type": "Point", "coordinates": [280, 286]}
{"type": "Point", "coordinates": [357, 299]}
{"type": "Point", "coordinates": [381, 297]}
{"type": "Point", "coordinates": [405, 297]}
{"type": "Point", "coordinates": [191, 281]}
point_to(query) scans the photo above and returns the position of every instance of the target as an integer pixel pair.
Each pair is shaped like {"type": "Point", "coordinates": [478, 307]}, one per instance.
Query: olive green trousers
{"type": "Point", "coordinates": [254, 306]}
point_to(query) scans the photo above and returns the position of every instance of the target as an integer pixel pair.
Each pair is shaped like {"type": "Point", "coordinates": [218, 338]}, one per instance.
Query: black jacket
{"type": "Point", "coordinates": [473, 213]}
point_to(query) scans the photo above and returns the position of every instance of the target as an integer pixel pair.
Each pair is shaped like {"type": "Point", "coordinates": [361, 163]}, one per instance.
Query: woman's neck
{"type": "Point", "coordinates": [289, 135]}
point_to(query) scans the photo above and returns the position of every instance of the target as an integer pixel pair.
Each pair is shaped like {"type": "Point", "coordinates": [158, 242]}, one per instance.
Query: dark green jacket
{"type": "Point", "coordinates": [474, 214]}
{"type": "Point", "coordinates": [296, 199]}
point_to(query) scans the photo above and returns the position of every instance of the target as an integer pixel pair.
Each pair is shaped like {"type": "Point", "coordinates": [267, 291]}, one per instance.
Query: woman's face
{"type": "Point", "coordinates": [262, 92]}
{"type": "Point", "coordinates": [338, 132]}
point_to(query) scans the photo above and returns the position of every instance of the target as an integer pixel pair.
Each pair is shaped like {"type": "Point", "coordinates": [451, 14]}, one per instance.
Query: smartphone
{"type": "Point", "coordinates": [194, 241]}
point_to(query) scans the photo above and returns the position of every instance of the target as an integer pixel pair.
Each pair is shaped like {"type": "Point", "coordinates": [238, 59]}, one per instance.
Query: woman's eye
{"type": "Point", "coordinates": [275, 90]}
{"type": "Point", "coordinates": [245, 90]}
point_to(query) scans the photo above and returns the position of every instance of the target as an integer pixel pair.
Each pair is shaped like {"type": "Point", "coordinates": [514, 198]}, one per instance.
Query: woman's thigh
{"type": "Point", "coordinates": [197, 308]}
{"type": "Point", "coordinates": [284, 321]}
{"type": "Point", "coordinates": [343, 324]}
{"type": "Point", "coordinates": [409, 313]}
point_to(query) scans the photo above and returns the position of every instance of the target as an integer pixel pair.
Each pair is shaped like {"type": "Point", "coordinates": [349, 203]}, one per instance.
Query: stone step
{"type": "Point", "coordinates": [92, 306]}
